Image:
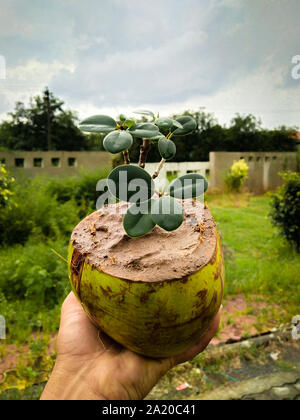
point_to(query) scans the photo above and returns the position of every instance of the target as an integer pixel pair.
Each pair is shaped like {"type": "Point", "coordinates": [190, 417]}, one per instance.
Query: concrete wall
{"type": "Point", "coordinates": [69, 163]}
{"type": "Point", "coordinates": [171, 169]}
{"type": "Point", "coordinates": [263, 168]}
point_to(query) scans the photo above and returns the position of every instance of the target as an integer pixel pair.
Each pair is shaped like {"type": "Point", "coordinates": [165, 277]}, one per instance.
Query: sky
{"type": "Point", "coordinates": [113, 56]}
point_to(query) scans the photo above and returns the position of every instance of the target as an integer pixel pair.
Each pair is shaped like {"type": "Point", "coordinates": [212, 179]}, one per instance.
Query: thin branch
{"type": "Point", "coordinates": [161, 164]}
{"type": "Point", "coordinates": [126, 157]}
{"type": "Point", "coordinates": [144, 150]}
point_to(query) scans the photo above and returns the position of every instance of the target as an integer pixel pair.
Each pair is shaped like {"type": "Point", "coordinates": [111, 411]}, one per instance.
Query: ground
{"type": "Point", "coordinates": [262, 293]}
{"type": "Point", "coordinates": [265, 367]}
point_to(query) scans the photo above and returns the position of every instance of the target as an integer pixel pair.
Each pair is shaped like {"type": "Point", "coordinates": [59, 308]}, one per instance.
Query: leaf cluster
{"type": "Point", "coordinates": [133, 184]}
{"type": "Point", "coordinates": [285, 213]}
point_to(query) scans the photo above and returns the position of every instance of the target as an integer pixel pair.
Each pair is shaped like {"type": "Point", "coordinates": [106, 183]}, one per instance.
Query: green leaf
{"type": "Point", "coordinates": [167, 123]}
{"type": "Point", "coordinates": [98, 124]}
{"type": "Point", "coordinates": [167, 148]}
{"type": "Point", "coordinates": [189, 126]}
{"type": "Point", "coordinates": [188, 186]}
{"type": "Point", "coordinates": [137, 221]}
{"type": "Point", "coordinates": [117, 141]}
{"type": "Point", "coordinates": [130, 183]}
{"type": "Point", "coordinates": [122, 117]}
{"type": "Point", "coordinates": [129, 123]}
{"type": "Point", "coordinates": [177, 124]}
{"type": "Point", "coordinates": [144, 112]}
{"type": "Point", "coordinates": [167, 213]}
{"type": "Point", "coordinates": [144, 130]}
{"type": "Point", "coordinates": [156, 138]}
{"type": "Point", "coordinates": [164, 123]}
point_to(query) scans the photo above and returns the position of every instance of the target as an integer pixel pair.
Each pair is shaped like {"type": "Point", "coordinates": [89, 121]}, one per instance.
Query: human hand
{"type": "Point", "coordinates": [91, 366]}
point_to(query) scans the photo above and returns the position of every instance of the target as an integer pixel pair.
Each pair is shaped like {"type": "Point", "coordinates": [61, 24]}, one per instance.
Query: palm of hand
{"type": "Point", "coordinates": [99, 367]}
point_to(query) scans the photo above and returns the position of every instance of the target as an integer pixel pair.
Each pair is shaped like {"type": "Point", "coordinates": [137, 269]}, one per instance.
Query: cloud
{"type": "Point", "coordinates": [123, 54]}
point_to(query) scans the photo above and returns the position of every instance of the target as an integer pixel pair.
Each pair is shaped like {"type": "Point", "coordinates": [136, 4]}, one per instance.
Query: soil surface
{"type": "Point", "coordinates": [158, 256]}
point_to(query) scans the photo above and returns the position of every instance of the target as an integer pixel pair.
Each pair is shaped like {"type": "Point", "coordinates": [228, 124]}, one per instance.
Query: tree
{"type": "Point", "coordinates": [44, 125]}
{"type": "Point", "coordinates": [245, 134]}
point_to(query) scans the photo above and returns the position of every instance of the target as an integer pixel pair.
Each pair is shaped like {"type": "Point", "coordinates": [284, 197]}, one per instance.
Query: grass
{"type": "Point", "coordinates": [258, 261]}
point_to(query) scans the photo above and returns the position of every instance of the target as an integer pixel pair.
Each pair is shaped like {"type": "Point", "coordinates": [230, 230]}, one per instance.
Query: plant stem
{"type": "Point", "coordinates": [161, 164]}
{"type": "Point", "coordinates": [144, 150]}
{"type": "Point", "coordinates": [126, 157]}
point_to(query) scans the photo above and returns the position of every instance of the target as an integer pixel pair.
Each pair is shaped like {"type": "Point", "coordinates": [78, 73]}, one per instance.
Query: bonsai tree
{"type": "Point", "coordinates": [132, 184]}
{"type": "Point", "coordinates": [154, 294]}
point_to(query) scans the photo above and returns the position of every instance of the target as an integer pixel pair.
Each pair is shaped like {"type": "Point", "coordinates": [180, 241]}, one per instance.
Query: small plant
{"type": "Point", "coordinates": [237, 175]}
{"type": "Point", "coordinates": [285, 211]}
{"type": "Point", "coordinates": [6, 182]}
{"type": "Point", "coordinates": [132, 184]}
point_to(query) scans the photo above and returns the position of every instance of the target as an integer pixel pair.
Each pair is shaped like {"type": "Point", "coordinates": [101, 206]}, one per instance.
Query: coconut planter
{"type": "Point", "coordinates": [155, 294]}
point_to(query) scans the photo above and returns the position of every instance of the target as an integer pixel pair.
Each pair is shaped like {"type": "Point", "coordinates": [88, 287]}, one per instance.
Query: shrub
{"type": "Point", "coordinates": [82, 189]}
{"type": "Point", "coordinates": [35, 212]}
{"type": "Point", "coordinates": [48, 209]}
{"type": "Point", "coordinates": [285, 211]}
{"type": "Point", "coordinates": [237, 175]}
{"type": "Point", "coordinates": [34, 273]}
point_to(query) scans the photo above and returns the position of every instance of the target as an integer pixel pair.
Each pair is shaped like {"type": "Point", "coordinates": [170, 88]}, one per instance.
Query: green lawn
{"type": "Point", "coordinates": [258, 261]}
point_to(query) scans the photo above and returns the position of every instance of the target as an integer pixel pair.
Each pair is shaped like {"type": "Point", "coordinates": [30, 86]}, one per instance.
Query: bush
{"type": "Point", "coordinates": [285, 211]}
{"type": "Point", "coordinates": [48, 209]}
{"type": "Point", "coordinates": [36, 213]}
{"type": "Point", "coordinates": [34, 280]}
{"type": "Point", "coordinates": [34, 273]}
{"type": "Point", "coordinates": [82, 189]}
{"type": "Point", "coordinates": [237, 175]}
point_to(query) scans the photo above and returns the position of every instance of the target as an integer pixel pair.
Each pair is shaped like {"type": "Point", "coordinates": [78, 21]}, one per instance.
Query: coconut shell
{"type": "Point", "coordinates": [155, 295]}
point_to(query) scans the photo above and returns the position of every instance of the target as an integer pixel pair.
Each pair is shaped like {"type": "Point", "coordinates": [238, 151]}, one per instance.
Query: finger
{"type": "Point", "coordinates": [74, 320]}
{"type": "Point", "coordinates": [72, 310]}
{"type": "Point", "coordinates": [201, 344]}
{"type": "Point", "coordinates": [70, 305]}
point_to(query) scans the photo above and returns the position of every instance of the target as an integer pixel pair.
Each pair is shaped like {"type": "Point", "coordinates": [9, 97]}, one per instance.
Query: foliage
{"type": "Point", "coordinates": [36, 213]}
{"type": "Point", "coordinates": [133, 184]}
{"type": "Point", "coordinates": [34, 273]}
{"type": "Point", "coordinates": [286, 208]}
{"type": "Point", "coordinates": [245, 133]}
{"type": "Point", "coordinates": [48, 208]}
{"type": "Point", "coordinates": [298, 161]}
{"type": "Point", "coordinates": [237, 175]}
{"type": "Point", "coordinates": [43, 125]}
{"type": "Point", "coordinates": [6, 182]}
{"type": "Point", "coordinates": [28, 129]}
{"type": "Point", "coordinates": [82, 189]}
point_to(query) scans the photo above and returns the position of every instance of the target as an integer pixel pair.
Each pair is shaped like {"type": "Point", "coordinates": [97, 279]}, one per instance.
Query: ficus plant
{"type": "Point", "coordinates": [133, 184]}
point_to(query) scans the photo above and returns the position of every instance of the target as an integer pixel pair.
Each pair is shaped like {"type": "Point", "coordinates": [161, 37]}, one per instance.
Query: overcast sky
{"type": "Point", "coordinates": [111, 56]}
